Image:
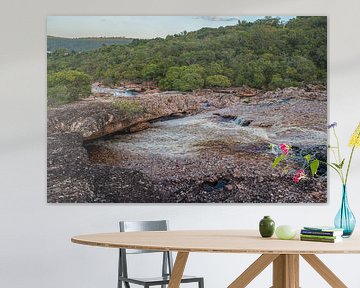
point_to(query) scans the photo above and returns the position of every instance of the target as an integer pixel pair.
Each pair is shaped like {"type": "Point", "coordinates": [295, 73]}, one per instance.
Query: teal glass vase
{"type": "Point", "coordinates": [345, 219]}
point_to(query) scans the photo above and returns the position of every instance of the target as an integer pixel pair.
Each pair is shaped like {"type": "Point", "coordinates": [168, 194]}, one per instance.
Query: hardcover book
{"type": "Point", "coordinates": [326, 240]}
{"type": "Point", "coordinates": [319, 237]}
{"type": "Point", "coordinates": [321, 233]}
{"type": "Point", "coordinates": [323, 228]}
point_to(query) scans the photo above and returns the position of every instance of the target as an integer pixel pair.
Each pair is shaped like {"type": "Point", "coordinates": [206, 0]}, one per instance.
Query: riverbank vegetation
{"type": "Point", "coordinates": [68, 86]}
{"type": "Point", "coordinates": [128, 108]}
{"type": "Point", "coordinates": [265, 54]}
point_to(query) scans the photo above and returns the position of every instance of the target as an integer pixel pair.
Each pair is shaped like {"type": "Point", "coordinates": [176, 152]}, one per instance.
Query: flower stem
{"type": "Point", "coordinates": [337, 144]}
{"type": "Point", "coordinates": [348, 167]}
{"type": "Point", "coordinates": [350, 159]}
{"type": "Point", "coordinates": [336, 169]}
{"type": "Point", "coordinates": [339, 155]}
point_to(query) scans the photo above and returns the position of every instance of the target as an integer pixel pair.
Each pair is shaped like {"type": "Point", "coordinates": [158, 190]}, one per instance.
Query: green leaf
{"type": "Point", "coordinates": [336, 165]}
{"type": "Point", "coordinates": [307, 158]}
{"type": "Point", "coordinates": [277, 160]}
{"type": "Point", "coordinates": [339, 166]}
{"type": "Point", "coordinates": [285, 170]}
{"type": "Point", "coordinates": [314, 166]}
{"type": "Point", "coordinates": [342, 163]}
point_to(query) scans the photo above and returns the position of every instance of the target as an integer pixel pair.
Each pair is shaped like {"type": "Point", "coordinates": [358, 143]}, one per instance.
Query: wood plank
{"type": "Point", "coordinates": [178, 270]}
{"type": "Point", "coordinates": [324, 271]}
{"type": "Point", "coordinates": [293, 270]}
{"type": "Point", "coordinates": [279, 269]}
{"type": "Point", "coordinates": [253, 270]}
{"type": "Point", "coordinates": [286, 271]}
{"type": "Point", "coordinates": [220, 241]}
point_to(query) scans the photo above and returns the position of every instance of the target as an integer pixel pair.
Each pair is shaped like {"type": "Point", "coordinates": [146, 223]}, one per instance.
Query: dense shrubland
{"type": "Point", "coordinates": [265, 54]}
{"type": "Point", "coordinates": [83, 44]}
{"type": "Point", "coordinates": [67, 86]}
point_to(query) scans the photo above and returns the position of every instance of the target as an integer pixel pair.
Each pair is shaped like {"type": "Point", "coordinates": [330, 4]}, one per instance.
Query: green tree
{"type": "Point", "coordinates": [278, 82]}
{"type": "Point", "coordinates": [218, 81]}
{"type": "Point", "coordinates": [183, 78]}
{"type": "Point", "coordinates": [306, 70]}
{"type": "Point", "coordinates": [67, 86]}
{"type": "Point", "coordinates": [151, 71]}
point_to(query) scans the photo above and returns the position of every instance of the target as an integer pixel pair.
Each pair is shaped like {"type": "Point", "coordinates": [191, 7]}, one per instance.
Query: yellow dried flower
{"type": "Point", "coordinates": [355, 138]}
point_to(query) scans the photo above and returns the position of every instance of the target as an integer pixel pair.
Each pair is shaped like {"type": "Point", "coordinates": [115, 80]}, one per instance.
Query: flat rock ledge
{"type": "Point", "coordinates": [73, 178]}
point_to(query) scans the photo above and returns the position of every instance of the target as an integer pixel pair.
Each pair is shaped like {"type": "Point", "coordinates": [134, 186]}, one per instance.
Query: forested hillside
{"type": "Point", "coordinates": [82, 44]}
{"type": "Point", "coordinates": [265, 54]}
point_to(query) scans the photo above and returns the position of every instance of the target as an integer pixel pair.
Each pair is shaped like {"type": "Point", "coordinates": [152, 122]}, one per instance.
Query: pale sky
{"type": "Point", "coordinates": [137, 26]}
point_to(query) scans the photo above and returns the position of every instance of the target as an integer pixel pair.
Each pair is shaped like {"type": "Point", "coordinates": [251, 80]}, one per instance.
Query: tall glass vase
{"type": "Point", "coordinates": [345, 219]}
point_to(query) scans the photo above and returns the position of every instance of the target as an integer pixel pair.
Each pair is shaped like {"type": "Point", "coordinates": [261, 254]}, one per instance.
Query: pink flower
{"type": "Point", "coordinates": [284, 148]}
{"type": "Point", "coordinates": [300, 174]}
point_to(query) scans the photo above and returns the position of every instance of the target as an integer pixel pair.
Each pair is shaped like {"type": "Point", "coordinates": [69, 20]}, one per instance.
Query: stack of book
{"type": "Point", "coordinates": [321, 234]}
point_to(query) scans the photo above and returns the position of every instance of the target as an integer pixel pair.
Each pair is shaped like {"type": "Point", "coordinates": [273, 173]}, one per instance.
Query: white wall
{"type": "Point", "coordinates": [35, 248]}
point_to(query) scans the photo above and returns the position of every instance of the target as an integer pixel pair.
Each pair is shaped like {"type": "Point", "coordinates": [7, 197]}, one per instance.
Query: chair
{"type": "Point", "coordinates": [167, 262]}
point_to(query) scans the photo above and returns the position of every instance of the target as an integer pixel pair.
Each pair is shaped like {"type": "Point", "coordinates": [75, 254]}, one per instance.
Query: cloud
{"type": "Point", "coordinates": [219, 18]}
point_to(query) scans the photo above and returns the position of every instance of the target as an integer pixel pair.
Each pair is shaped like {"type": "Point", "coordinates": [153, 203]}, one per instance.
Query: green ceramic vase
{"type": "Point", "coordinates": [267, 227]}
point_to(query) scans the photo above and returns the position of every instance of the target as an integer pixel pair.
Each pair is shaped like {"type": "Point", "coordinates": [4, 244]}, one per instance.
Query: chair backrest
{"type": "Point", "coordinates": [134, 226]}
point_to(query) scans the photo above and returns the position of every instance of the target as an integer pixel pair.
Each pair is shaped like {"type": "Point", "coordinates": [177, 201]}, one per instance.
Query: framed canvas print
{"type": "Point", "coordinates": [187, 109]}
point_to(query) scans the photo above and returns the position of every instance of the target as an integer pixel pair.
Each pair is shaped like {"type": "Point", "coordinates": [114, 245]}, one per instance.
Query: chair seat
{"type": "Point", "coordinates": [158, 280]}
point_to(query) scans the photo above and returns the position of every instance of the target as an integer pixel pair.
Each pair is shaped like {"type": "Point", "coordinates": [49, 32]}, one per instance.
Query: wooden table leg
{"type": "Point", "coordinates": [324, 271]}
{"type": "Point", "coordinates": [178, 270]}
{"type": "Point", "coordinates": [253, 270]}
{"type": "Point", "coordinates": [286, 271]}
{"type": "Point", "coordinates": [293, 264]}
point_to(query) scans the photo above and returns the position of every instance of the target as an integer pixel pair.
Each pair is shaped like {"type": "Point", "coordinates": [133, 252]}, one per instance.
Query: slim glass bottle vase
{"type": "Point", "coordinates": [345, 219]}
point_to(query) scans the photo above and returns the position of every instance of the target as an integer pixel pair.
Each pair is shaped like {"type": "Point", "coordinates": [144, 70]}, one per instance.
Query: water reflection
{"type": "Point", "coordinates": [97, 88]}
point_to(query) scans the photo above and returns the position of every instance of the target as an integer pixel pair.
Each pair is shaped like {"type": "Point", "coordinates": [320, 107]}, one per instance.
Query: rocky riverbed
{"type": "Point", "coordinates": [207, 146]}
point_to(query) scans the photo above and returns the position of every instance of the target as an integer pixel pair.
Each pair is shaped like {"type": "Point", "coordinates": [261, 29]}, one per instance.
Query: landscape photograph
{"type": "Point", "coordinates": [186, 109]}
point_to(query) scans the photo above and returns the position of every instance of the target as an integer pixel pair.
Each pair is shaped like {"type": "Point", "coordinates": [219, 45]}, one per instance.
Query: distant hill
{"type": "Point", "coordinates": [83, 44]}
{"type": "Point", "coordinates": [264, 54]}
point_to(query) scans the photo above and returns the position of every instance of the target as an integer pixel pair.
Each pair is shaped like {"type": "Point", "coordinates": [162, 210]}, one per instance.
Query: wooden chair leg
{"type": "Point", "coordinates": [324, 271]}
{"type": "Point", "coordinates": [253, 270]}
